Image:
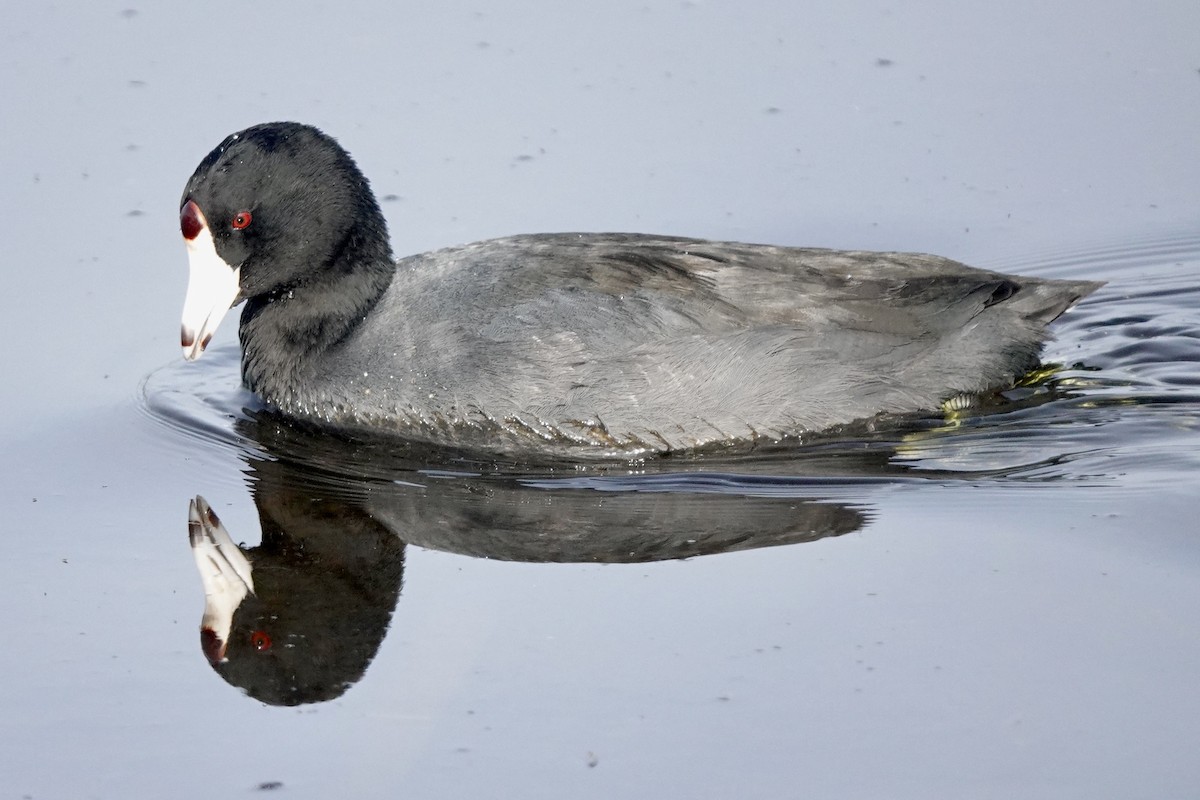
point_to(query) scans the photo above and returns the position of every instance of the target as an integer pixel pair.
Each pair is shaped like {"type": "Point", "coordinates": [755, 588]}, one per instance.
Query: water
{"type": "Point", "coordinates": [995, 605]}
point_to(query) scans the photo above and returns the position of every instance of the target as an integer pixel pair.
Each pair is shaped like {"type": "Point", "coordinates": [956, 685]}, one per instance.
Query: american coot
{"type": "Point", "coordinates": [575, 344]}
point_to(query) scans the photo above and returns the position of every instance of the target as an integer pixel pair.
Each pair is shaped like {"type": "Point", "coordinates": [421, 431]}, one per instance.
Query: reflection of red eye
{"type": "Point", "coordinates": [260, 640]}
{"type": "Point", "coordinates": [241, 220]}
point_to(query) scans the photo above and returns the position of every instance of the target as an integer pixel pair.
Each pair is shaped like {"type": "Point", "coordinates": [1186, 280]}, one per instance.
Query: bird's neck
{"type": "Point", "coordinates": [284, 333]}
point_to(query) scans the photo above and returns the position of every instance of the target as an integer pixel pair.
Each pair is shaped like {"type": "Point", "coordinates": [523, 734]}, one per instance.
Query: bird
{"type": "Point", "coordinates": [576, 345]}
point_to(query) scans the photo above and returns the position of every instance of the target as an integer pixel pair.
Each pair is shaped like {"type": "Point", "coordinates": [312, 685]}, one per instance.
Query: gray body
{"type": "Point", "coordinates": [575, 345]}
{"type": "Point", "coordinates": [616, 344]}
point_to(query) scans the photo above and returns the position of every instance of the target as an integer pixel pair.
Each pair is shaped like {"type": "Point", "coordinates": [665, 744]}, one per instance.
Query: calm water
{"type": "Point", "coordinates": [1000, 605]}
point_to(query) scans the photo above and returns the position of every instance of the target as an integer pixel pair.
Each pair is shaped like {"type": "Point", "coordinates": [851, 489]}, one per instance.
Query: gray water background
{"type": "Point", "coordinates": [1029, 636]}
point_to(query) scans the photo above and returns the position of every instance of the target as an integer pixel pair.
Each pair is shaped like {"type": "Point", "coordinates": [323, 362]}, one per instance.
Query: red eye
{"type": "Point", "coordinates": [241, 220]}
{"type": "Point", "coordinates": [259, 640]}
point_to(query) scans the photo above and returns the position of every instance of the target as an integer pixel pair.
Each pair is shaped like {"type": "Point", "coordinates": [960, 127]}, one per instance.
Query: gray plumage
{"type": "Point", "coordinates": [594, 344]}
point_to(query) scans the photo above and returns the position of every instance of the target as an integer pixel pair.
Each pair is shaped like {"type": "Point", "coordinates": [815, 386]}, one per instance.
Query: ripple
{"type": "Point", "coordinates": [1100, 261]}
{"type": "Point", "coordinates": [200, 401]}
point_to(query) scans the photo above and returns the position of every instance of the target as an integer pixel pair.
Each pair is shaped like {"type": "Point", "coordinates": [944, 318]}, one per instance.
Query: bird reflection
{"type": "Point", "coordinates": [298, 618]}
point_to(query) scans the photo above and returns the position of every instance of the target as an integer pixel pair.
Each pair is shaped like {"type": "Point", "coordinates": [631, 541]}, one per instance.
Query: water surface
{"type": "Point", "coordinates": [994, 605]}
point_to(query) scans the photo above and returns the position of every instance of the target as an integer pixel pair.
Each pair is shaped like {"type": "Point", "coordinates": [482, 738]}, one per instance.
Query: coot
{"type": "Point", "coordinates": [575, 344]}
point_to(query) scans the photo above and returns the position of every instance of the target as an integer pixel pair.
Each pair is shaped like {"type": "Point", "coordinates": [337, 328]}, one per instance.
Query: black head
{"type": "Point", "coordinates": [272, 209]}
{"type": "Point", "coordinates": [282, 201]}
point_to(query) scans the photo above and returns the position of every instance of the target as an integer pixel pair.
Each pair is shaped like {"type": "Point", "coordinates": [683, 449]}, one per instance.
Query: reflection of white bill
{"type": "Point", "coordinates": [224, 571]}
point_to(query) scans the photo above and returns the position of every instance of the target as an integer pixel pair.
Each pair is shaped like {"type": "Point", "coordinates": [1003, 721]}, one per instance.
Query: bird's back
{"type": "Point", "coordinates": [644, 342]}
